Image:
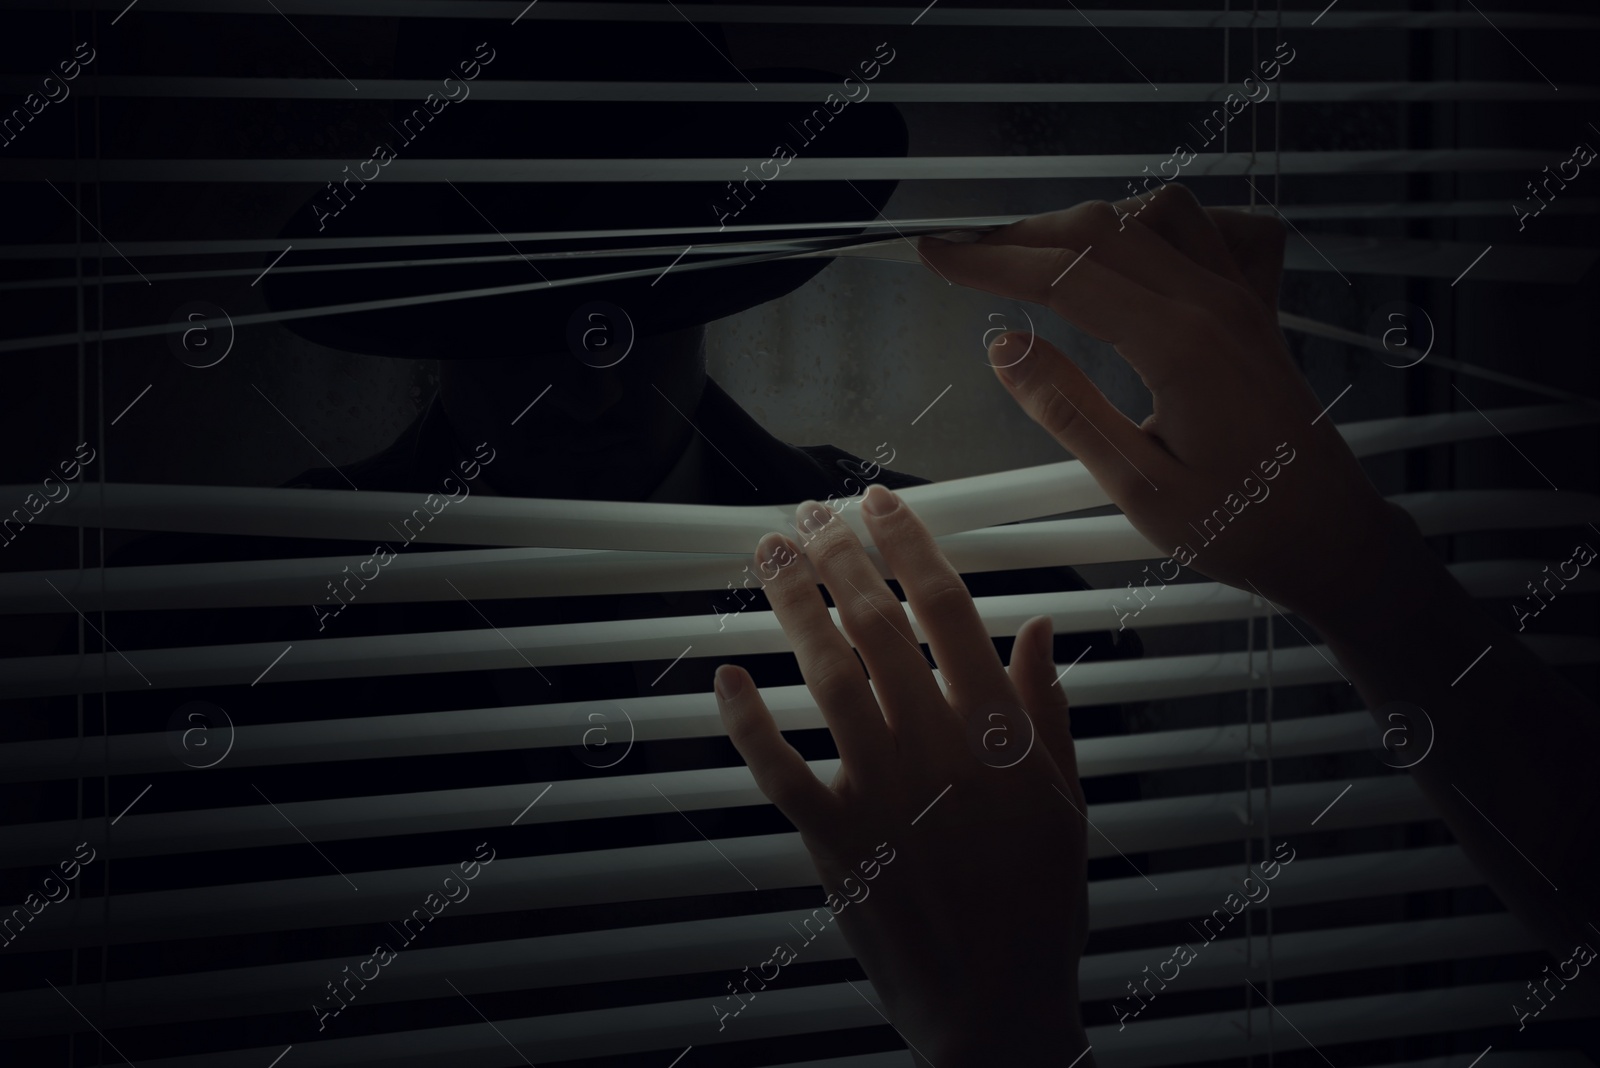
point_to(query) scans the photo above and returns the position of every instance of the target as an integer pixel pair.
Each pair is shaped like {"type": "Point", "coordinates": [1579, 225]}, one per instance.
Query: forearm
{"type": "Point", "coordinates": [1414, 635]}
{"type": "Point", "coordinates": [1010, 1019]}
{"type": "Point", "coordinates": [1021, 1040]}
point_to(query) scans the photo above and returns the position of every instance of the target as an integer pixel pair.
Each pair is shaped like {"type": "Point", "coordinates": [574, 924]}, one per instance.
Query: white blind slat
{"type": "Point", "coordinates": [712, 945]}
{"type": "Point", "coordinates": [870, 15]}
{"type": "Point", "coordinates": [801, 168]}
{"type": "Point", "coordinates": [1134, 826]}
{"type": "Point", "coordinates": [508, 89]}
{"type": "Point", "coordinates": [679, 870]}
{"type": "Point", "coordinates": [518, 647]}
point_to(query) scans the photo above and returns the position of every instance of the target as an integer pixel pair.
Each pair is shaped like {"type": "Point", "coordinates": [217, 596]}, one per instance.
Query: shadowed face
{"type": "Point", "coordinates": [597, 433]}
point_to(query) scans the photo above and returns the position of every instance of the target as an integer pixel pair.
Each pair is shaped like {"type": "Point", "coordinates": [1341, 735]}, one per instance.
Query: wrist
{"type": "Point", "coordinates": [1399, 585]}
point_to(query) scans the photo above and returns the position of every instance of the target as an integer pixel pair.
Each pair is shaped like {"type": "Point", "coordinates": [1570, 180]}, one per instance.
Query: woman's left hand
{"type": "Point", "coordinates": [971, 931]}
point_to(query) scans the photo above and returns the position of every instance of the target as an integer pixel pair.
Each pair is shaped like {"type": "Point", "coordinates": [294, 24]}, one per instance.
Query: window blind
{"type": "Point", "coordinates": [622, 896]}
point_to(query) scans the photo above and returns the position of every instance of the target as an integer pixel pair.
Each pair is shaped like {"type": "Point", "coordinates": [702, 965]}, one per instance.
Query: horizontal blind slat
{"type": "Point", "coordinates": [507, 89]}
{"type": "Point", "coordinates": [802, 168]}
{"type": "Point", "coordinates": [947, 507]}
{"type": "Point", "coordinates": [726, 943]}
{"type": "Point", "coordinates": [492, 649]}
{"type": "Point", "coordinates": [807, 1010]}
{"type": "Point", "coordinates": [723, 633]}
{"type": "Point", "coordinates": [558, 880]}
{"type": "Point", "coordinates": [674, 716]}
{"type": "Point", "coordinates": [565, 527]}
{"type": "Point", "coordinates": [881, 227]}
{"type": "Point", "coordinates": [1537, 1058]}
{"type": "Point", "coordinates": [866, 15]}
{"type": "Point", "coordinates": [1125, 826]}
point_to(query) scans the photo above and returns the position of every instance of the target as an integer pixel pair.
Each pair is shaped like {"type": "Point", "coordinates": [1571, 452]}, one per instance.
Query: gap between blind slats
{"type": "Point", "coordinates": [1135, 826]}
{"type": "Point", "coordinates": [884, 227]}
{"type": "Point", "coordinates": [478, 574]}
{"type": "Point", "coordinates": [1379, 256]}
{"type": "Point", "coordinates": [413, 89]}
{"type": "Point", "coordinates": [670, 1026]}
{"type": "Point", "coordinates": [555, 881]}
{"type": "Point", "coordinates": [1443, 209]}
{"type": "Point", "coordinates": [725, 943]}
{"type": "Point", "coordinates": [1538, 1058]}
{"type": "Point", "coordinates": [722, 631]}
{"type": "Point", "coordinates": [1359, 254]}
{"type": "Point", "coordinates": [877, 15]}
{"type": "Point", "coordinates": [1552, 264]}
{"type": "Point", "coordinates": [1374, 210]}
{"type": "Point", "coordinates": [947, 507]}
{"type": "Point", "coordinates": [519, 647]}
{"type": "Point", "coordinates": [675, 716]}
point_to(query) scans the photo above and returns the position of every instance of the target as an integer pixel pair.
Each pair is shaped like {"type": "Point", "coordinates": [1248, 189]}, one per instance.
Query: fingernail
{"type": "Point", "coordinates": [880, 500]}
{"type": "Point", "coordinates": [1044, 642]}
{"type": "Point", "coordinates": [774, 551]}
{"type": "Point", "coordinates": [811, 517]}
{"type": "Point", "coordinates": [728, 682]}
{"type": "Point", "coordinates": [1010, 356]}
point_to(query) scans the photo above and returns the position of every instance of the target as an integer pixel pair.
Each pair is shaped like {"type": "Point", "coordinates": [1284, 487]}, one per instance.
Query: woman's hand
{"type": "Point", "coordinates": [1235, 472]}
{"type": "Point", "coordinates": [1189, 296]}
{"type": "Point", "coordinates": [972, 793]}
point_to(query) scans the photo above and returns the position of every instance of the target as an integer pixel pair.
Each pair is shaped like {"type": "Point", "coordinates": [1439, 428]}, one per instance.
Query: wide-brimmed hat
{"type": "Point", "coordinates": [469, 53]}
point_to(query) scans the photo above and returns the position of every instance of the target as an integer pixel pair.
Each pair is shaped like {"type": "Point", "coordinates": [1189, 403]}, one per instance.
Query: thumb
{"type": "Point", "coordinates": [1058, 396]}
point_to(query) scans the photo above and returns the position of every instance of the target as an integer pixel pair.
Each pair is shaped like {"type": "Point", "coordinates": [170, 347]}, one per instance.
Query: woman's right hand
{"type": "Point", "coordinates": [1189, 296]}
{"type": "Point", "coordinates": [1235, 464]}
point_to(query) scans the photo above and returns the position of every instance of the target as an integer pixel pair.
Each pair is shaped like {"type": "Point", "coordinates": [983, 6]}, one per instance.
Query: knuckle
{"type": "Point", "coordinates": [1181, 194]}
{"type": "Point", "coordinates": [835, 684]}
{"type": "Point", "coordinates": [946, 594]}
{"type": "Point", "coordinates": [1060, 259]}
{"type": "Point", "coordinates": [830, 544]}
{"type": "Point", "coordinates": [873, 616]}
{"type": "Point", "coordinates": [782, 790]}
{"type": "Point", "coordinates": [1174, 199]}
{"type": "Point", "coordinates": [1098, 219]}
{"type": "Point", "coordinates": [1098, 212]}
{"type": "Point", "coordinates": [786, 590]}
{"type": "Point", "coordinates": [742, 729]}
{"type": "Point", "coordinates": [1055, 412]}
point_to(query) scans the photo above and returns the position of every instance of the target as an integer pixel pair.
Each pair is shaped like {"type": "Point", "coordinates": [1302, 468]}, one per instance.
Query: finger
{"type": "Point", "coordinates": [1127, 463]}
{"type": "Point", "coordinates": [1173, 214]}
{"type": "Point", "coordinates": [1117, 236]}
{"type": "Point", "coordinates": [939, 599]}
{"type": "Point", "coordinates": [827, 663]}
{"type": "Point", "coordinates": [781, 773]}
{"type": "Point", "coordinates": [873, 617]}
{"type": "Point", "coordinates": [1256, 243]}
{"type": "Point", "coordinates": [1033, 673]}
{"type": "Point", "coordinates": [1143, 325]}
